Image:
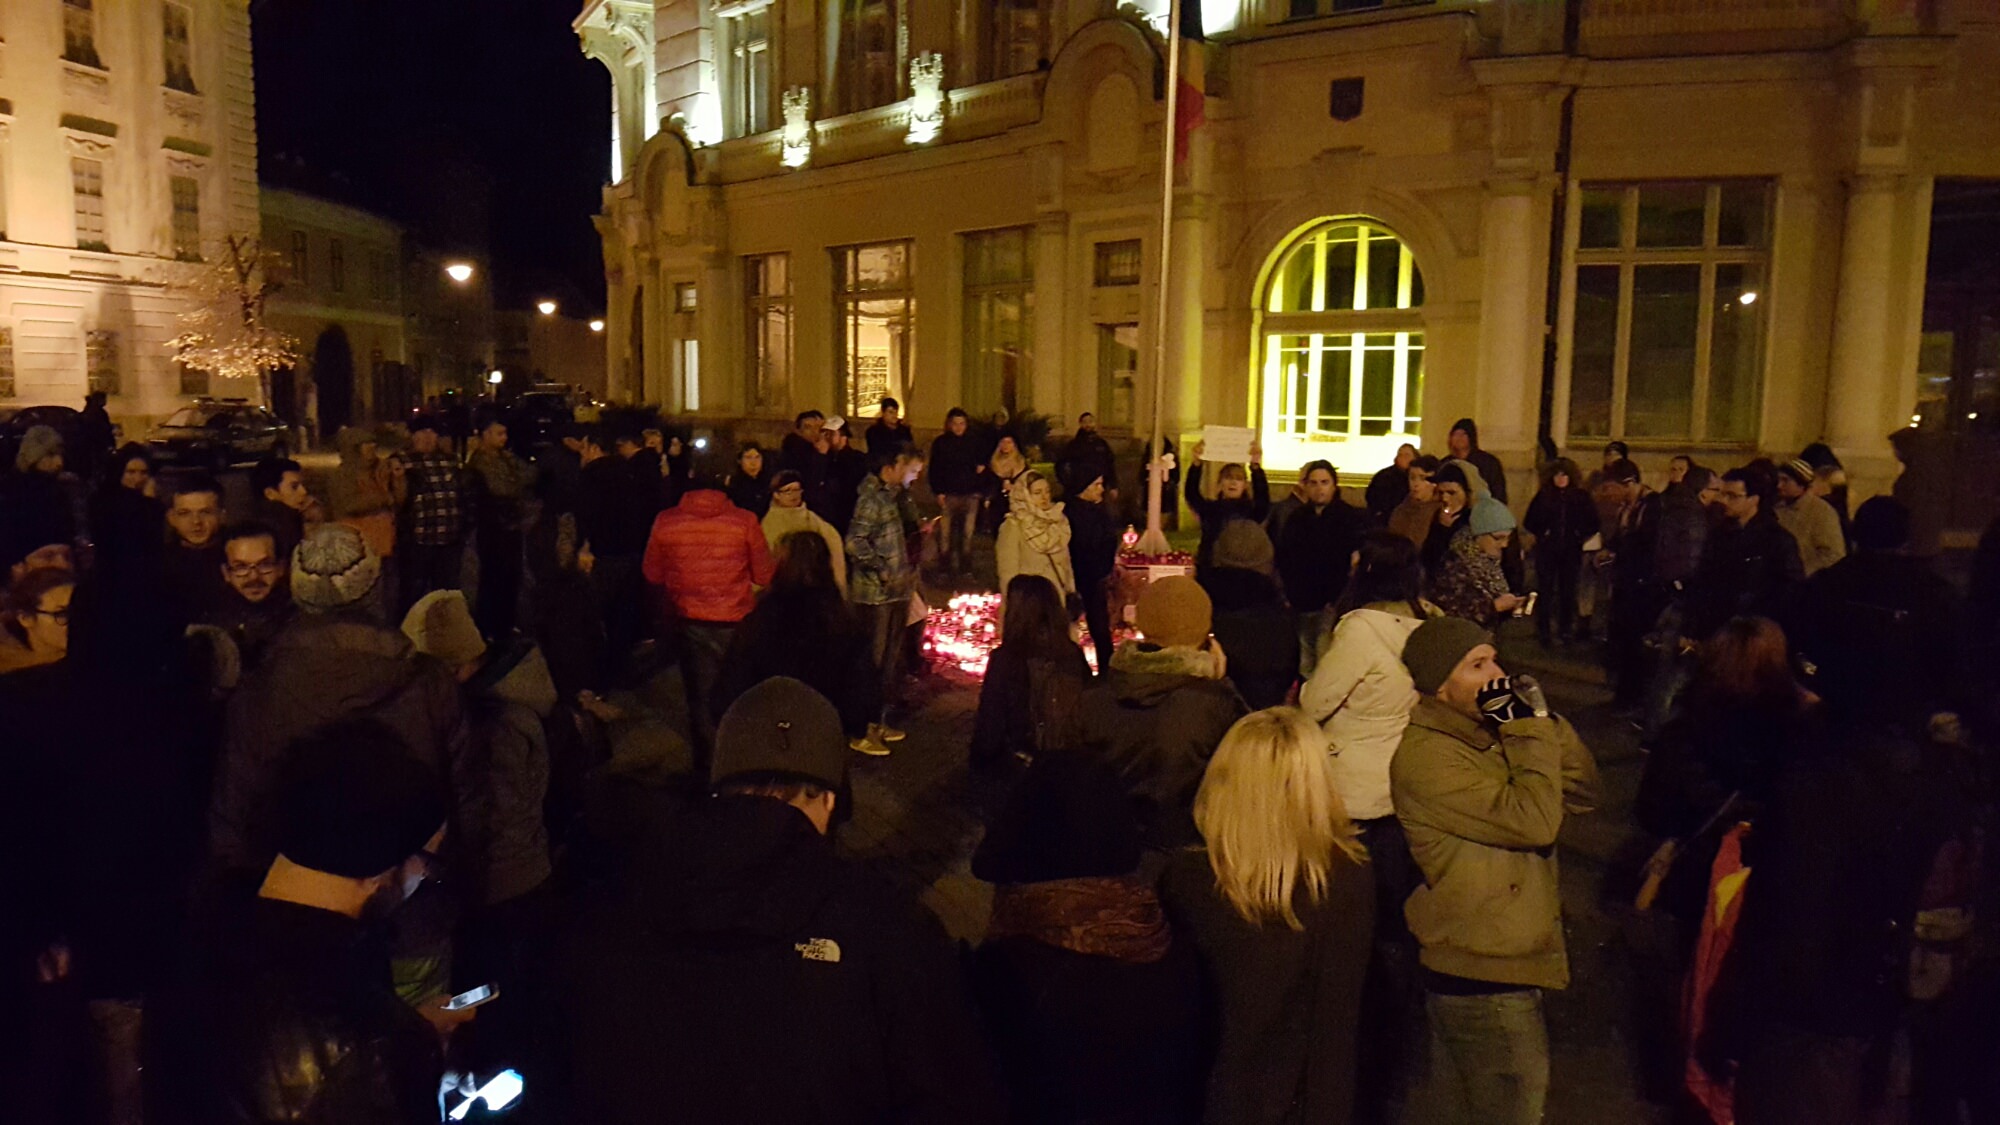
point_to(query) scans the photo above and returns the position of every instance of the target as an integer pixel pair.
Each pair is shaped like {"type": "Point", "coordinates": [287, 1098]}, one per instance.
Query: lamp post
{"type": "Point", "coordinates": [546, 307]}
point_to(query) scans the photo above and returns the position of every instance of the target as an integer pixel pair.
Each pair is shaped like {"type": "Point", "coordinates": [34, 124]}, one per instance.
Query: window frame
{"type": "Point", "coordinates": [850, 58]}
{"type": "Point", "coordinates": [747, 94]}
{"type": "Point", "coordinates": [1710, 257]}
{"type": "Point", "coordinates": [7, 389]}
{"type": "Point", "coordinates": [79, 27]}
{"type": "Point", "coordinates": [186, 221]}
{"type": "Point", "coordinates": [1106, 256]}
{"type": "Point", "coordinates": [183, 79]}
{"type": "Point", "coordinates": [86, 172]}
{"type": "Point", "coordinates": [845, 259]}
{"type": "Point", "coordinates": [1109, 415]}
{"type": "Point", "coordinates": [996, 61]}
{"type": "Point", "coordinates": [978, 296]}
{"type": "Point", "coordinates": [770, 383]}
{"type": "Point", "coordinates": [336, 265]}
{"type": "Point", "coordinates": [100, 361]}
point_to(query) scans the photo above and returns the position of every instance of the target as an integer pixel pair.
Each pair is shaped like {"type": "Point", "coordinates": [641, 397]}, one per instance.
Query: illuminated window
{"type": "Point", "coordinates": [80, 33]}
{"type": "Point", "coordinates": [1117, 374]}
{"type": "Point", "coordinates": [100, 357]}
{"type": "Point", "coordinates": [178, 43]}
{"type": "Point", "coordinates": [187, 217]}
{"type": "Point", "coordinates": [684, 296]}
{"type": "Point", "coordinates": [6, 363]}
{"type": "Point", "coordinates": [749, 79]}
{"type": "Point", "coordinates": [1667, 336]}
{"type": "Point", "coordinates": [86, 179]}
{"type": "Point", "coordinates": [1343, 343]}
{"type": "Point", "coordinates": [1118, 263]}
{"type": "Point", "coordinates": [876, 303]}
{"type": "Point", "coordinates": [999, 320]}
{"type": "Point", "coordinates": [767, 313]}
{"type": "Point", "coordinates": [870, 53]}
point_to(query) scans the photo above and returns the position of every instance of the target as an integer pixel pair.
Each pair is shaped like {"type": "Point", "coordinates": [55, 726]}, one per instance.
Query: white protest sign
{"type": "Point", "coordinates": [1226, 445]}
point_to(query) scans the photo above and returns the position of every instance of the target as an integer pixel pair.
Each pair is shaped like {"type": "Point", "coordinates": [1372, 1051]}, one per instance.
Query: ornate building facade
{"type": "Point", "coordinates": [1701, 225]}
{"type": "Point", "coordinates": [128, 142]}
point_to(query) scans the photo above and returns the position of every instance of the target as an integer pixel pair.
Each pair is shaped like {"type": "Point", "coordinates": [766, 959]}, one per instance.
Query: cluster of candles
{"type": "Point", "coordinates": [964, 632]}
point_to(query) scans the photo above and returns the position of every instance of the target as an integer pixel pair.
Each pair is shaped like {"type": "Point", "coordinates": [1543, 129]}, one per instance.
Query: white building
{"type": "Point", "coordinates": [128, 140]}
{"type": "Point", "coordinates": [958, 203]}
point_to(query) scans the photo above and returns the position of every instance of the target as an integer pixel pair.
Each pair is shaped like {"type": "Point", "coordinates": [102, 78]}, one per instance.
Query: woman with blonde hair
{"type": "Point", "coordinates": [1282, 908]}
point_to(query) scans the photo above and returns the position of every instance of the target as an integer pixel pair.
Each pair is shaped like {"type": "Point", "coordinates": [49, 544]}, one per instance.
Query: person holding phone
{"type": "Point", "coordinates": [287, 1010]}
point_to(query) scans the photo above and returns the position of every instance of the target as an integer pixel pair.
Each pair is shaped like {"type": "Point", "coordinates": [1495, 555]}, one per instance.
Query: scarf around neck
{"type": "Point", "coordinates": [1117, 917]}
{"type": "Point", "coordinates": [1044, 529]}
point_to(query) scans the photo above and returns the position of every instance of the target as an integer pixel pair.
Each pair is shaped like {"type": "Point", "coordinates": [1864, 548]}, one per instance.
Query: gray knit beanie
{"type": "Point", "coordinates": [37, 443]}
{"type": "Point", "coordinates": [332, 568]}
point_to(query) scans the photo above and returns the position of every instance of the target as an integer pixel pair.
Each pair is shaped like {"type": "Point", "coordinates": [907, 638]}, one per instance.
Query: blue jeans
{"type": "Point", "coordinates": [1492, 1050]}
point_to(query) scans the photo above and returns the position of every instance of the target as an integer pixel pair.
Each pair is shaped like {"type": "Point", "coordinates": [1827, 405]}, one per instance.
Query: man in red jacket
{"type": "Point", "coordinates": [709, 555]}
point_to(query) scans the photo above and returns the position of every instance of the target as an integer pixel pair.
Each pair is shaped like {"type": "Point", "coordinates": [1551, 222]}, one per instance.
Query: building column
{"type": "Point", "coordinates": [1859, 385]}
{"type": "Point", "coordinates": [653, 335]}
{"type": "Point", "coordinates": [1509, 318]}
{"type": "Point", "coordinates": [1051, 308]}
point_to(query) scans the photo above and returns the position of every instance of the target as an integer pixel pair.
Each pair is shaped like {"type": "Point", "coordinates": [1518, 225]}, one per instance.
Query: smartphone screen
{"type": "Point", "coordinates": [469, 999]}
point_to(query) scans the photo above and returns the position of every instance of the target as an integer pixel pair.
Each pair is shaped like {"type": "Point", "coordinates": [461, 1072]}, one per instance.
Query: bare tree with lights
{"type": "Point", "coordinates": [222, 327]}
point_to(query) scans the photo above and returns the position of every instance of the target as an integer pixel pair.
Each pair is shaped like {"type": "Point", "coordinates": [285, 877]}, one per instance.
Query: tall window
{"type": "Point", "coordinates": [767, 314]}
{"type": "Point", "coordinates": [749, 79]}
{"type": "Point", "coordinates": [1018, 41]}
{"type": "Point", "coordinates": [100, 361]}
{"type": "Point", "coordinates": [80, 33]}
{"type": "Point", "coordinates": [999, 319]}
{"type": "Point", "coordinates": [6, 362]}
{"type": "Point", "coordinates": [301, 259]}
{"type": "Point", "coordinates": [870, 53]}
{"type": "Point", "coordinates": [336, 265]}
{"type": "Point", "coordinates": [193, 380]}
{"type": "Point", "coordinates": [1117, 373]}
{"type": "Point", "coordinates": [1667, 340]}
{"type": "Point", "coordinates": [86, 178]}
{"type": "Point", "coordinates": [177, 41]}
{"type": "Point", "coordinates": [1117, 263]}
{"type": "Point", "coordinates": [876, 302]}
{"type": "Point", "coordinates": [1343, 343]}
{"type": "Point", "coordinates": [187, 217]}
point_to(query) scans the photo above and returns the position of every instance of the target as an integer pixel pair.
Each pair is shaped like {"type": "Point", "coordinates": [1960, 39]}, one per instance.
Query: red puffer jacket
{"type": "Point", "coordinates": [708, 552]}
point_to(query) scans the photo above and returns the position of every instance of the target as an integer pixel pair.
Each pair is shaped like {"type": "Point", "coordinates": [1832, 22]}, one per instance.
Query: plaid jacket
{"type": "Point", "coordinates": [437, 488]}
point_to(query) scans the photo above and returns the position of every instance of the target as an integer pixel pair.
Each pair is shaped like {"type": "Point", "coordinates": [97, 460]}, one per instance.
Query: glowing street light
{"type": "Point", "coordinates": [1749, 298]}
{"type": "Point", "coordinates": [547, 307]}
{"type": "Point", "coordinates": [496, 376]}
{"type": "Point", "coordinates": [597, 326]}
{"type": "Point", "coordinates": [460, 272]}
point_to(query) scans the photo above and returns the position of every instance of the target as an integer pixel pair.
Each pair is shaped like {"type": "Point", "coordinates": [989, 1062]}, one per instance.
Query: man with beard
{"type": "Point", "coordinates": [192, 566]}
{"type": "Point", "coordinates": [288, 1010]}
{"type": "Point", "coordinates": [258, 605]}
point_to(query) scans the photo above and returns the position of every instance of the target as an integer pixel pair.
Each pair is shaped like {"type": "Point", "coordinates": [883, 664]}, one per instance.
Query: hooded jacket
{"type": "Point", "coordinates": [322, 668]}
{"type": "Point", "coordinates": [1487, 464]}
{"type": "Point", "coordinates": [1156, 721]}
{"type": "Point", "coordinates": [1360, 693]}
{"type": "Point", "coordinates": [708, 553]}
{"type": "Point", "coordinates": [1815, 526]}
{"type": "Point", "coordinates": [362, 494]}
{"type": "Point", "coordinates": [748, 973]}
{"type": "Point", "coordinates": [1482, 807]}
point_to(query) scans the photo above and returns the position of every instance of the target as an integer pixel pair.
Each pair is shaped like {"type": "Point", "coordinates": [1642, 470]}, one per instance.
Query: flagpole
{"type": "Point", "coordinates": [1154, 542]}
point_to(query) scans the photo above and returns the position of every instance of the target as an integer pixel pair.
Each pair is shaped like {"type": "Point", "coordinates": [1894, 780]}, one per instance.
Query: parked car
{"type": "Point", "coordinates": [218, 433]}
{"type": "Point", "coordinates": [536, 417]}
{"type": "Point", "coordinates": [17, 422]}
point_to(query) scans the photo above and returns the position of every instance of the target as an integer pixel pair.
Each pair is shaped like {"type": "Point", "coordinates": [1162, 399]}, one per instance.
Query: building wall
{"type": "Point", "coordinates": [364, 300]}
{"type": "Point", "coordinates": [1841, 113]}
{"type": "Point", "coordinates": [120, 112]}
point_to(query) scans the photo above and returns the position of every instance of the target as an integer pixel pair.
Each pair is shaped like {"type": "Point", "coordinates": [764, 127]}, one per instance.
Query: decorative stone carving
{"type": "Point", "coordinates": [87, 144]}
{"type": "Point", "coordinates": [926, 97]}
{"type": "Point", "coordinates": [86, 82]}
{"type": "Point", "coordinates": [184, 109]}
{"type": "Point", "coordinates": [798, 131]}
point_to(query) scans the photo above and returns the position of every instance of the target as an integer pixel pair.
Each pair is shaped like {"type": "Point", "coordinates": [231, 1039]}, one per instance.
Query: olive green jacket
{"type": "Point", "coordinates": [1481, 805]}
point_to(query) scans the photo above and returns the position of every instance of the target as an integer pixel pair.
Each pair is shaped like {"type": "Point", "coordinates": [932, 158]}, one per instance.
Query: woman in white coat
{"type": "Point", "coordinates": [1360, 694]}
{"type": "Point", "coordinates": [1034, 538]}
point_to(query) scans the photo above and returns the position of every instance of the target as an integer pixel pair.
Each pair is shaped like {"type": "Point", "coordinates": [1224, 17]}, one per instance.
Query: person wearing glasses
{"type": "Point", "coordinates": [258, 603]}
{"type": "Point", "coordinates": [1751, 564]}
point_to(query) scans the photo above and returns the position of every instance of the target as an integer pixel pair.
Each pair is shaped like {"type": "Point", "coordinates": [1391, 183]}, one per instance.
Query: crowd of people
{"type": "Point", "coordinates": [373, 802]}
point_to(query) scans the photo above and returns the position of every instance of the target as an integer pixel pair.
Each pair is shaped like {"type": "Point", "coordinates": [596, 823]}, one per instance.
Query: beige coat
{"type": "Point", "coordinates": [780, 522]}
{"type": "Point", "coordinates": [1813, 522]}
{"type": "Point", "coordinates": [1482, 806]}
{"type": "Point", "coordinates": [1360, 694]}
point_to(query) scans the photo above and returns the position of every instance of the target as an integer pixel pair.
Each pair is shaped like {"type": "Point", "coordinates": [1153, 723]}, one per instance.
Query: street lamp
{"type": "Point", "coordinates": [496, 376]}
{"type": "Point", "coordinates": [547, 307]}
{"type": "Point", "coordinates": [597, 326]}
{"type": "Point", "coordinates": [460, 272]}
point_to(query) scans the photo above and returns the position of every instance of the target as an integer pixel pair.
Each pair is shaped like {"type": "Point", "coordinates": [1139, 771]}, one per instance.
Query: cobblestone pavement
{"type": "Point", "coordinates": [919, 815]}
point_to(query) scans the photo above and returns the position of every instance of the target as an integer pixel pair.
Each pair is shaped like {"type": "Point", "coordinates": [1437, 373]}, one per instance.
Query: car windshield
{"type": "Point", "coordinates": [191, 417]}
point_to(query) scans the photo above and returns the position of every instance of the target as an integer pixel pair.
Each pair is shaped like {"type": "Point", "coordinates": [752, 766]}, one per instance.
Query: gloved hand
{"type": "Point", "coordinates": [1498, 702]}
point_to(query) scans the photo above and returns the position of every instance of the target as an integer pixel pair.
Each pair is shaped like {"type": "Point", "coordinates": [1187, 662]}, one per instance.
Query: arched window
{"type": "Point", "coordinates": [1343, 341]}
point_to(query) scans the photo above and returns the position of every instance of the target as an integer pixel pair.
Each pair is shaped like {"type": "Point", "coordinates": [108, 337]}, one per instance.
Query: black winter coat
{"type": "Point", "coordinates": [1315, 552]}
{"type": "Point", "coordinates": [1026, 703]}
{"type": "Point", "coordinates": [289, 1014]}
{"type": "Point", "coordinates": [1217, 512]}
{"type": "Point", "coordinates": [1562, 520]}
{"type": "Point", "coordinates": [36, 509]}
{"type": "Point", "coordinates": [1156, 724]}
{"type": "Point", "coordinates": [800, 456]}
{"type": "Point", "coordinates": [1286, 1003]}
{"type": "Point", "coordinates": [813, 638]}
{"type": "Point", "coordinates": [1386, 489]}
{"type": "Point", "coordinates": [1257, 634]}
{"type": "Point", "coordinates": [615, 506]}
{"type": "Point", "coordinates": [745, 972]}
{"type": "Point", "coordinates": [1902, 623]}
{"type": "Point", "coordinates": [954, 464]}
{"type": "Point", "coordinates": [1087, 456]}
{"type": "Point", "coordinates": [1093, 544]}
{"type": "Point", "coordinates": [1754, 568]}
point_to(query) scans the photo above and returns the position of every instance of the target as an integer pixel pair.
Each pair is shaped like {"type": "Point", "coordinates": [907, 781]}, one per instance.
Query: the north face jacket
{"type": "Point", "coordinates": [1481, 806]}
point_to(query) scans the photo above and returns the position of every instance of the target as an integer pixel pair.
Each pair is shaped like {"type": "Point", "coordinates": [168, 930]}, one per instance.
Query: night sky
{"type": "Point", "coordinates": [476, 123]}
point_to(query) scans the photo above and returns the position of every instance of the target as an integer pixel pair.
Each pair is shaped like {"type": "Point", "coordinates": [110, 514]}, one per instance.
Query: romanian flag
{"type": "Point", "coordinates": [1192, 111]}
